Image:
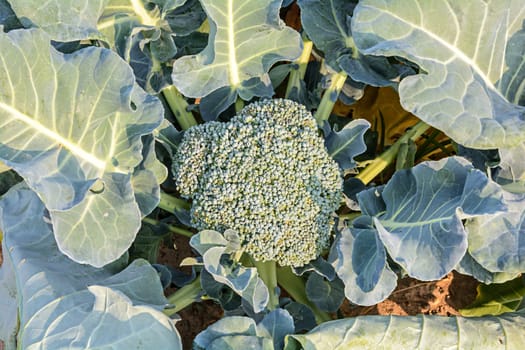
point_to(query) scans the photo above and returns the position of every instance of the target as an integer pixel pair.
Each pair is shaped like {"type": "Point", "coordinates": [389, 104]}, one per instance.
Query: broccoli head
{"type": "Point", "coordinates": [266, 174]}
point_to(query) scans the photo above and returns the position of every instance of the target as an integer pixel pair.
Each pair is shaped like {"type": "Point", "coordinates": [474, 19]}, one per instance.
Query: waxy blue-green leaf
{"type": "Point", "coordinates": [143, 33]}
{"type": "Point", "coordinates": [276, 325]}
{"type": "Point", "coordinates": [238, 332]}
{"type": "Point", "coordinates": [469, 266]}
{"type": "Point", "coordinates": [347, 143]}
{"type": "Point", "coordinates": [325, 294]}
{"type": "Point", "coordinates": [216, 249]}
{"type": "Point", "coordinates": [246, 39]}
{"type": "Point", "coordinates": [362, 266]}
{"type": "Point", "coordinates": [8, 18]}
{"type": "Point", "coordinates": [69, 122]}
{"type": "Point", "coordinates": [413, 332]}
{"type": "Point", "coordinates": [63, 304]}
{"type": "Point", "coordinates": [421, 227]}
{"type": "Point", "coordinates": [102, 227]}
{"type": "Point", "coordinates": [497, 242]}
{"type": "Point", "coordinates": [327, 23]}
{"type": "Point", "coordinates": [466, 65]}
{"type": "Point", "coordinates": [63, 20]}
{"type": "Point", "coordinates": [8, 301]}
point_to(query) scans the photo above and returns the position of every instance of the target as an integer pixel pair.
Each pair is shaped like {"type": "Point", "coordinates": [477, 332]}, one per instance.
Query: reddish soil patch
{"type": "Point", "coordinates": [411, 297]}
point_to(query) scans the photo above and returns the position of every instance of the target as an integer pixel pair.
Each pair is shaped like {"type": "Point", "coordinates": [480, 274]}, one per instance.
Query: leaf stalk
{"type": "Point", "coordinates": [268, 273]}
{"type": "Point", "coordinates": [330, 97]}
{"type": "Point", "coordinates": [296, 287]}
{"type": "Point", "coordinates": [297, 75]}
{"type": "Point", "coordinates": [179, 107]}
{"type": "Point", "coordinates": [172, 204]}
{"type": "Point", "coordinates": [184, 297]}
{"type": "Point", "coordinates": [387, 157]}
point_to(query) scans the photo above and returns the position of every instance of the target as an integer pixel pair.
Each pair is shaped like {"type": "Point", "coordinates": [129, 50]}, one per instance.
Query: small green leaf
{"type": "Point", "coordinates": [496, 299]}
{"type": "Point", "coordinates": [347, 143]}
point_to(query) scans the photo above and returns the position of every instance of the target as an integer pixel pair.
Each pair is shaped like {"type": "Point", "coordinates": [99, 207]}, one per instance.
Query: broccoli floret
{"type": "Point", "coordinates": [266, 174]}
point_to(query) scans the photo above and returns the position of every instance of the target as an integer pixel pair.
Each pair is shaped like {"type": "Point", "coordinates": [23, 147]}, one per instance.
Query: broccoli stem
{"type": "Point", "coordinates": [296, 287]}
{"type": "Point", "coordinates": [171, 203]}
{"type": "Point", "coordinates": [179, 107]}
{"type": "Point", "coordinates": [387, 157]}
{"type": "Point", "coordinates": [171, 228]}
{"type": "Point", "coordinates": [184, 297]}
{"type": "Point", "coordinates": [330, 97]}
{"type": "Point", "coordinates": [268, 273]}
{"type": "Point", "coordinates": [297, 75]}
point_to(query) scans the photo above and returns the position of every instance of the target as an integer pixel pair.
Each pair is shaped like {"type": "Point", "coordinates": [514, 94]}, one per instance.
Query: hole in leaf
{"type": "Point", "coordinates": [133, 106]}
{"type": "Point", "coordinates": [98, 187]}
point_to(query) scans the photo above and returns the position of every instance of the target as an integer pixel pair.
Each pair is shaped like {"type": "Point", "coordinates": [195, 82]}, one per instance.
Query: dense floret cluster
{"type": "Point", "coordinates": [267, 174]}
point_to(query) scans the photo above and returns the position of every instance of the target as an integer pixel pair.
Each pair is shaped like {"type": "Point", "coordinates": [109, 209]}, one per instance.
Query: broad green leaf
{"type": "Point", "coordinates": [496, 299]}
{"type": "Point", "coordinates": [63, 20]}
{"type": "Point", "coordinates": [511, 172]}
{"type": "Point", "coordinates": [467, 66]}
{"type": "Point", "coordinates": [469, 266]}
{"type": "Point", "coordinates": [238, 332]}
{"type": "Point", "coordinates": [276, 325]}
{"type": "Point", "coordinates": [227, 326]}
{"type": "Point", "coordinates": [246, 39]}
{"type": "Point", "coordinates": [362, 266]}
{"type": "Point", "coordinates": [347, 143]}
{"type": "Point", "coordinates": [326, 295]}
{"type": "Point", "coordinates": [142, 32]}
{"type": "Point", "coordinates": [413, 332]}
{"type": "Point", "coordinates": [7, 17]}
{"type": "Point", "coordinates": [8, 301]}
{"type": "Point", "coordinates": [87, 232]}
{"type": "Point", "coordinates": [80, 116]}
{"type": "Point", "coordinates": [71, 121]}
{"type": "Point", "coordinates": [421, 227]}
{"type": "Point", "coordinates": [148, 176]}
{"type": "Point", "coordinates": [63, 304]}
{"type": "Point", "coordinates": [497, 242]}
{"type": "Point", "coordinates": [327, 23]}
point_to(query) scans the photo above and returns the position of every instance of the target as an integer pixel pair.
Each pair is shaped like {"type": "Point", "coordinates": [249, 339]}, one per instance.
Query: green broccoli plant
{"type": "Point", "coordinates": [266, 174]}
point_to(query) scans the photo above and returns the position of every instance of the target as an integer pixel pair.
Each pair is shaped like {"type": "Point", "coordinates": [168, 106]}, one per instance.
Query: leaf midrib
{"type": "Point", "coordinates": [51, 134]}
{"type": "Point", "coordinates": [455, 50]}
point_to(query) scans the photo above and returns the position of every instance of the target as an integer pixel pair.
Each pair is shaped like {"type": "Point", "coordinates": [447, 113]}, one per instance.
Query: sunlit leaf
{"type": "Point", "coordinates": [79, 119]}
{"type": "Point", "coordinates": [466, 66]}
{"type": "Point", "coordinates": [421, 227]}
{"type": "Point", "coordinates": [413, 332]}
{"type": "Point", "coordinates": [246, 39]}
{"type": "Point", "coordinates": [363, 268]}
{"type": "Point", "coordinates": [67, 20]}
{"type": "Point", "coordinates": [64, 304]}
{"type": "Point", "coordinates": [497, 242]}
{"type": "Point", "coordinates": [496, 299]}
